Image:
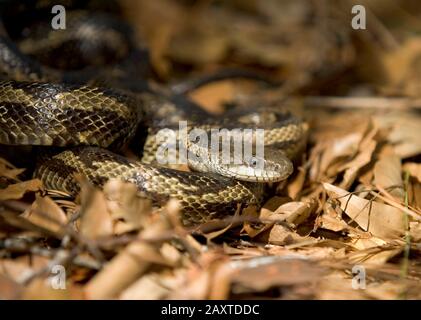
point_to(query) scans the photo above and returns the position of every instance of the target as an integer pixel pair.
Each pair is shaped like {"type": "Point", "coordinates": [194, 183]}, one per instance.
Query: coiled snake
{"type": "Point", "coordinates": [38, 108]}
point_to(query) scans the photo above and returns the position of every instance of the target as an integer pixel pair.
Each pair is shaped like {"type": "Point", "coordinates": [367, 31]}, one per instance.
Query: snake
{"type": "Point", "coordinates": [86, 125]}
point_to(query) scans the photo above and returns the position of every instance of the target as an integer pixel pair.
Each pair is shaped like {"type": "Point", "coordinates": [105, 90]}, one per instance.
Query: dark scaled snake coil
{"type": "Point", "coordinates": [83, 117]}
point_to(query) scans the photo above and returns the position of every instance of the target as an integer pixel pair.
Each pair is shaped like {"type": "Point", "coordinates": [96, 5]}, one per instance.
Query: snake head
{"type": "Point", "coordinates": [273, 167]}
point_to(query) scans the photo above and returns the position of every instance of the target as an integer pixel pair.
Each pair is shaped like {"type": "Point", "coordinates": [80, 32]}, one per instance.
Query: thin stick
{"type": "Point", "coordinates": [362, 102]}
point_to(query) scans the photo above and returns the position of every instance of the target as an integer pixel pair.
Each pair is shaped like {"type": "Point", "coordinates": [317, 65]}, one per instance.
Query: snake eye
{"type": "Point", "coordinates": [253, 162]}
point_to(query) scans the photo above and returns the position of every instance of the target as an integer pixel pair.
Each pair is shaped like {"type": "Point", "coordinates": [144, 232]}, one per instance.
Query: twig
{"type": "Point", "coordinates": [362, 102]}
{"type": "Point", "coordinates": [397, 205]}
{"type": "Point", "coordinates": [407, 248]}
{"type": "Point", "coordinates": [61, 257]}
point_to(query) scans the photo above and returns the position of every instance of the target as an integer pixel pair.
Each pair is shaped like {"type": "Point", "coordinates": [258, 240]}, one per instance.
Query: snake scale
{"type": "Point", "coordinates": [40, 106]}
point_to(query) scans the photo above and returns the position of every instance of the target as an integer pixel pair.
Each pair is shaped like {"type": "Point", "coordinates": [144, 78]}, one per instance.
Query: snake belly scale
{"type": "Point", "coordinates": [86, 120]}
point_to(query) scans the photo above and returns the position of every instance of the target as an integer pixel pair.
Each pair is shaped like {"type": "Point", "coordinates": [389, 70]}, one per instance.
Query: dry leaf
{"type": "Point", "coordinates": [387, 174]}
{"type": "Point", "coordinates": [8, 170]}
{"type": "Point", "coordinates": [280, 235]}
{"type": "Point", "coordinates": [328, 222]}
{"type": "Point", "coordinates": [338, 286]}
{"type": "Point", "coordinates": [95, 221]}
{"type": "Point", "coordinates": [129, 264]}
{"type": "Point", "coordinates": [16, 191]}
{"type": "Point", "coordinates": [196, 288]}
{"type": "Point", "coordinates": [126, 208]}
{"type": "Point", "coordinates": [414, 170]}
{"type": "Point", "coordinates": [401, 128]}
{"type": "Point", "coordinates": [374, 254]}
{"type": "Point", "coordinates": [341, 147]}
{"type": "Point", "coordinates": [380, 219]}
{"type": "Point", "coordinates": [18, 268]}
{"type": "Point", "coordinates": [211, 235]}
{"type": "Point", "coordinates": [296, 212]}
{"type": "Point", "coordinates": [146, 288]}
{"type": "Point", "coordinates": [41, 289]}
{"type": "Point", "coordinates": [277, 271]}
{"type": "Point", "coordinates": [9, 289]}
{"type": "Point", "coordinates": [296, 185]}
{"type": "Point", "coordinates": [212, 96]}
{"type": "Point", "coordinates": [365, 151]}
{"type": "Point", "coordinates": [46, 214]}
{"type": "Point", "coordinates": [415, 231]}
{"type": "Point", "coordinates": [122, 270]}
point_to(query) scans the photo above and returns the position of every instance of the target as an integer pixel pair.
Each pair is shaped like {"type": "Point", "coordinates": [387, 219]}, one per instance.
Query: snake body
{"type": "Point", "coordinates": [87, 119]}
